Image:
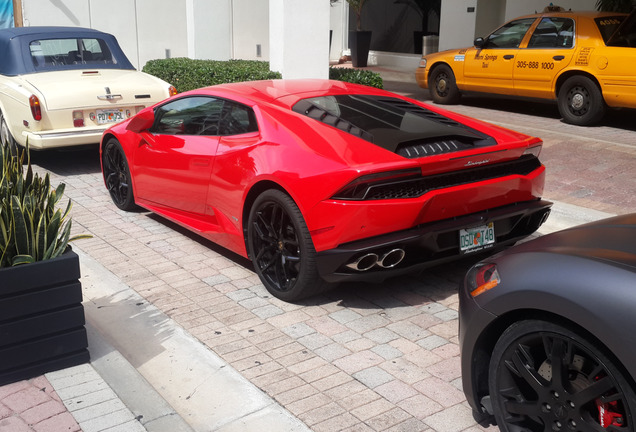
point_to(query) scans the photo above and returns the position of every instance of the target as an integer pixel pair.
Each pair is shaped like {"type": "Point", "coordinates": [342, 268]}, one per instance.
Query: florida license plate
{"type": "Point", "coordinates": [109, 116]}
{"type": "Point", "coordinates": [477, 238]}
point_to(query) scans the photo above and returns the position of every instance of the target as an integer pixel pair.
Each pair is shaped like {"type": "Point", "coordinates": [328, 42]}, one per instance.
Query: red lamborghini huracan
{"type": "Point", "coordinates": [319, 182]}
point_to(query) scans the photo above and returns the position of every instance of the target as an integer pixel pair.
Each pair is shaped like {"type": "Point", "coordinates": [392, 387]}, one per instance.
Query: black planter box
{"type": "Point", "coordinates": [41, 318]}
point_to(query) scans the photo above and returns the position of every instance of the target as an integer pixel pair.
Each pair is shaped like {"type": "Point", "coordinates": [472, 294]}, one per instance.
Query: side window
{"type": "Point", "coordinates": [237, 119]}
{"type": "Point", "coordinates": [197, 115]}
{"type": "Point", "coordinates": [510, 34]}
{"type": "Point", "coordinates": [553, 33]}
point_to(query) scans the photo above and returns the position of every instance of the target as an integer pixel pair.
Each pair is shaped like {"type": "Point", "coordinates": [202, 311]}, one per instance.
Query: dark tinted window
{"type": "Point", "coordinates": [510, 34]}
{"type": "Point", "coordinates": [553, 32]}
{"type": "Point", "coordinates": [386, 121]}
{"type": "Point", "coordinates": [624, 36]}
{"type": "Point", "coordinates": [608, 25]}
{"type": "Point", "coordinates": [201, 115]}
{"type": "Point", "coordinates": [237, 119]}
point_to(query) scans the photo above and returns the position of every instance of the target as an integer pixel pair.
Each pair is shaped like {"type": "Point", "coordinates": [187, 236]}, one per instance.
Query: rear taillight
{"type": "Point", "coordinates": [172, 90]}
{"type": "Point", "coordinates": [78, 118]}
{"type": "Point", "coordinates": [361, 188]}
{"type": "Point", "coordinates": [481, 278]}
{"type": "Point", "coordinates": [36, 110]}
{"type": "Point", "coordinates": [535, 151]}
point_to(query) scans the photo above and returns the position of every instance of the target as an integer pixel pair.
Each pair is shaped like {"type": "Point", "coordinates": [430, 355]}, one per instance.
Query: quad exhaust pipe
{"type": "Point", "coordinates": [389, 260]}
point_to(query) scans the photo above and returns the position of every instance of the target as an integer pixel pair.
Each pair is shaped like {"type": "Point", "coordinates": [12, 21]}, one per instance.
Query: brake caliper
{"type": "Point", "coordinates": [608, 415]}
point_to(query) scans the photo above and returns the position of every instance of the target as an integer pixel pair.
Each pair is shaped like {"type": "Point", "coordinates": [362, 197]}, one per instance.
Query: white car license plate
{"type": "Point", "coordinates": [110, 115]}
{"type": "Point", "coordinates": [477, 238]}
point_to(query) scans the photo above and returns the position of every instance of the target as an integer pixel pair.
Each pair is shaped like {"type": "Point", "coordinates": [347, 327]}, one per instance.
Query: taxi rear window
{"type": "Point", "coordinates": [608, 25]}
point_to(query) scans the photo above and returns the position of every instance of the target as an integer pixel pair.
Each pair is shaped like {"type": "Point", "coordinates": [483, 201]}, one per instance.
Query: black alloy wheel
{"type": "Point", "coordinates": [545, 377]}
{"type": "Point", "coordinates": [117, 175]}
{"type": "Point", "coordinates": [442, 85]}
{"type": "Point", "coordinates": [281, 248]}
{"type": "Point", "coordinates": [581, 102]}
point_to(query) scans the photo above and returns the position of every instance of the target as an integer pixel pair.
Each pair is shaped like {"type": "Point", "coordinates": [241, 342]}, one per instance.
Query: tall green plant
{"type": "Point", "coordinates": [32, 228]}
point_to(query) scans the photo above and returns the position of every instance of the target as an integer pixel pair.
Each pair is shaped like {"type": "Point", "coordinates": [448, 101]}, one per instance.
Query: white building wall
{"type": "Point", "coordinates": [124, 27]}
{"type": "Point", "coordinates": [250, 27]}
{"type": "Point", "coordinates": [490, 15]}
{"type": "Point", "coordinates": [299, 38]}
{"type": "Point", "coordinates": [210, 29]}
{"type": "Point", "coordinates": [457, 23]}
{"type": "Point", "coordinates": [58, 13]}
{"type": "Point", "coordinates": [145, 29]}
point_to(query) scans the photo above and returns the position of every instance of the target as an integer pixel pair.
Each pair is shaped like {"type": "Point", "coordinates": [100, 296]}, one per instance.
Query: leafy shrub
{"type": "Point", "coordinates": [188, 74]}
{"type": "Point", "coordinates": [31, 228]}
{"type": "Point", "coordinates": [356, 76]}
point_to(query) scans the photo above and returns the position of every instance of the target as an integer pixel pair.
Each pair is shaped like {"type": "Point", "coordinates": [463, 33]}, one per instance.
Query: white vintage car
{"type": "Point", "coordinates": [63, 86]}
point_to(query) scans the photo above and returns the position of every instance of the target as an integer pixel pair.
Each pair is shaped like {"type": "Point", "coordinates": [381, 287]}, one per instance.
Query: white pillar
{"type": "Point", "coordinates": [299, 38]}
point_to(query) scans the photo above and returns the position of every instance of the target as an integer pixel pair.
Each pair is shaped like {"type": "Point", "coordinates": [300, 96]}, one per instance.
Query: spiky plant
{"type": "Point", "coordinates": [32, 228]}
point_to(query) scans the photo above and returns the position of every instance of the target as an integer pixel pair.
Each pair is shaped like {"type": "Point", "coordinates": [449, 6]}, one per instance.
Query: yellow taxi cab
{"type": "Point", "coordinates": [583, 60]}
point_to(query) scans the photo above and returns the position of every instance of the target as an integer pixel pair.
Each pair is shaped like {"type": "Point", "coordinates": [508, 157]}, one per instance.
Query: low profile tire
{"type": "Point", "coordinates": [281, 248]}
{"type": "Point", "coordinates": [117, 175]}
{"type": "Point", "coordinates": [442, 86]}
{"type": "Point", "coordinates": [581, 102]}
{"type": "Point", "coordinates": [6, 139]}
{"type": "Point", "coordinates": [545, 377]}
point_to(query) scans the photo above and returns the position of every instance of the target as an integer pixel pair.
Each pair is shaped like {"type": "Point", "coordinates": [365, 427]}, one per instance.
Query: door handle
{"type": "Point", "coordinates": [509, 56]}
{"type": "Point", "coordinates": [558, 57]}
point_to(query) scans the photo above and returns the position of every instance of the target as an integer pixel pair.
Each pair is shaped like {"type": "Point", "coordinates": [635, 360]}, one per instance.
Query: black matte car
{"type": "Point", "coordinates": [548, 331]}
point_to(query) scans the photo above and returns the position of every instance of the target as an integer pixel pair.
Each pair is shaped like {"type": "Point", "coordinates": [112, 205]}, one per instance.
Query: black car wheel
{"type": "Point", "coordinates": [281, 248]}
{"type": "Point", "coordinates": [117, 175]}
{"type": "Point", "coordinates": [442, 86]}
{"type": "Point", "coordinates": [545, 377]}
{"type": "Point", "coordinates": [580, 101]}
{"type": "Point", "coordinates": [6, 139]}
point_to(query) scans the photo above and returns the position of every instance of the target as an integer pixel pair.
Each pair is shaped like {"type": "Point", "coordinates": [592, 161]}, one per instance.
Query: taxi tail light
{"type": "Point", "coordinates": [36, 110]}
{"type": "Point", "coordinates": [78, 118]}
{"type": "Point", "coordinates": [481, 278]}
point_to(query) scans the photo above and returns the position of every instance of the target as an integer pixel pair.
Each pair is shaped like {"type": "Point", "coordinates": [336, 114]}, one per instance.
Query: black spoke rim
{"type": "Point", "coordinates": [276, 246]}
{"type": "Point", "coordinates": [116, 175]}
{"type": "Point", "coordinates": [550, 382]}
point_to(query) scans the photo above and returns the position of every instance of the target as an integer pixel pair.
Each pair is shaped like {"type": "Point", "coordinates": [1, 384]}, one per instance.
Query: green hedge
{"type": "Point", "coordinates": [187, 74]}
{"type": "Point", "coordinates": [356, 76]}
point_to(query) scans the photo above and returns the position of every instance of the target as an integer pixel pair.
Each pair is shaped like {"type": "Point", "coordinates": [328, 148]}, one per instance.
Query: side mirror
{"type": "Point", "coordinates": [142, 121]}
{"type": "Point", "coordinates": [479, 42]}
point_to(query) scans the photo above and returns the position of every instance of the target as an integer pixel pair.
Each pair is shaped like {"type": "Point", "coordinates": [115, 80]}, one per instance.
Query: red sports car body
{"type": "Point", "coordinates": [323, 181]}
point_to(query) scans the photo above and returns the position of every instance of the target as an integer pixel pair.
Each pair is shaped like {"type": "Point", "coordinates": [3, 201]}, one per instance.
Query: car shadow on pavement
{"type": "Point", "coordinates": [434, 284]}
{"type": "Point", "coordinates": [68, 161]}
